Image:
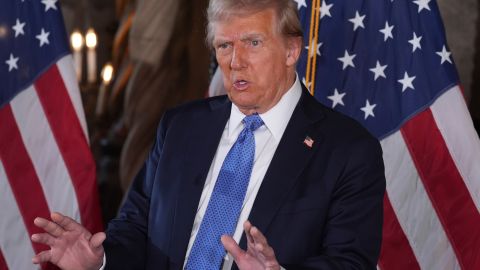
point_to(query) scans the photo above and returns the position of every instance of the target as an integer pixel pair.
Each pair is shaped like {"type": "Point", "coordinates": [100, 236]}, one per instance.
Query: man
{"type": "Point", "coordinates": [315, 179]}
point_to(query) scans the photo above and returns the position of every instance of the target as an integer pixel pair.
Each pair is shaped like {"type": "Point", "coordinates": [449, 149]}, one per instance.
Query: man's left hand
{"type": "Point", "coordinates": [259, 254]}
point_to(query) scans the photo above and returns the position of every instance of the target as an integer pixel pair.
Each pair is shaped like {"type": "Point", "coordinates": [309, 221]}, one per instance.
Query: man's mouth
{"type": "Point", "coordinates": [240, 84]}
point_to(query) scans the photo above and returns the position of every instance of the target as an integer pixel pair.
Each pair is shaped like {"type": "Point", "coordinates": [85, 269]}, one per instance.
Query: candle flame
{"type": "Point", "coordinates": [76, 40]}
{"type": "Point", "coordinates": [107, 73]}
{"type": "Point", "coordinates": [91, 39]}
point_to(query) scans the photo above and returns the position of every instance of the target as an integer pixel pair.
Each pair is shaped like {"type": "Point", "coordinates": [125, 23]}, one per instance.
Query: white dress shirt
{"type": "Point", "coordinates": [267, 138]}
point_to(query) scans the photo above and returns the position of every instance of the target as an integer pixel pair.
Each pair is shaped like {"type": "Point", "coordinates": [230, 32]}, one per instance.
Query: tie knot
{"type": "Point", "coordinates": [252, 122]}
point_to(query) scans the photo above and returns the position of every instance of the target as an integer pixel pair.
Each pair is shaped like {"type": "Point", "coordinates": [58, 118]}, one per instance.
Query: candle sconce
{"type": "Point", "coordinates": [107, 75]}
{"type": "Point", "coordinates": [91, 42]}
{"type": "Point", "coordinates": [78, 42]}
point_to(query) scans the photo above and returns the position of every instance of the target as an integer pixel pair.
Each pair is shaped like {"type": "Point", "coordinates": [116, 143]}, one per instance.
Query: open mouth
{"type": "Point", "coordinates": [240, 84]}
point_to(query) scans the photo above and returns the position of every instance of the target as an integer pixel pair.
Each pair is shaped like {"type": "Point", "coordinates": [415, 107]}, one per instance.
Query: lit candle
{"type": "Point", "coordinates": [91, 41]}
{"type": "Point", "coordinates": [107, 74]}
{"type": "Point", "coordinates": [76, 41]}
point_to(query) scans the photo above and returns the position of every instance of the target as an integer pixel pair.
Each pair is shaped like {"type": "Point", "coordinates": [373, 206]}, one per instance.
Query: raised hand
{"type": "Point", "coordinates": [259, 254]}
{"type": "Point", "coordinates": [72, 246]}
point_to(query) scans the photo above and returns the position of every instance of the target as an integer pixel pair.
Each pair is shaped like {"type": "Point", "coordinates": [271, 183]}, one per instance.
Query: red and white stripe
{"type": "Point", "coordinates": [433, 186]}
{"type": "Point", "coordinates": [15, 237]}
{"type": "Point", "coordinates": [46, 164]}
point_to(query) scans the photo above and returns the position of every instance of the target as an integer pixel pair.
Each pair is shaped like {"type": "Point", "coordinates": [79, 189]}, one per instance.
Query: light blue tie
{"type": "Point", "coordinates": [224, 207]}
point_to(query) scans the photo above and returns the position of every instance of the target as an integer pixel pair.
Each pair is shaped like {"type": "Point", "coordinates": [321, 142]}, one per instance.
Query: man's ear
{"type": "Point", "coordinates": [294, 48]}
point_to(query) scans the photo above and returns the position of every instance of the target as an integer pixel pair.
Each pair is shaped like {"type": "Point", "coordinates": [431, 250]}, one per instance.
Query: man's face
{"type": "Point", "coordinates": [257, 62]}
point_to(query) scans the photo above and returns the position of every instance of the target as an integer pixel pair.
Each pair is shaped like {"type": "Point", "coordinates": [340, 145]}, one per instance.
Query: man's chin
{"type": "Point", "coordinates": [246, 108]}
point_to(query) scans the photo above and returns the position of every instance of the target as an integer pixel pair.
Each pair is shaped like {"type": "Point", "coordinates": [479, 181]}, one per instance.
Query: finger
{"type": "Point", "coordinates": [43, 238]}
{"type": "Point", "coordinates": [232, 247]}
{"type": "Point", "coordinates": [97, 240]}
{"type": "Point", "coordinates": [67, 223]}
{"type": "Point", "coordinates": [257, 236]}
{"type": "Point", "coordinates": [48, 226]}
{"type": "Point", "coordinates": [261, 243]}
{"type": "Point", "coordinates": [42, 257]}
{"type": "Point", "coordinates": [247, 226]}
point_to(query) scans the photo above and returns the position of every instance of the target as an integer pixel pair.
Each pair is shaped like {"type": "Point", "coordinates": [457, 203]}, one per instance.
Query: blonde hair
{"type": "Point", "coordinates": [287, 14]}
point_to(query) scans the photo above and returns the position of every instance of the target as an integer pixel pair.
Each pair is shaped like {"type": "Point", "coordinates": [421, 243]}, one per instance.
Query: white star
{"type": "Point", "coordinates": [43, 37]}
{"type": "Point", "coordinates": [368, 109]}
{"type": "Point", "coordinates": [18, 28]}
{"type": "Point", "coordinates": [387, 31]}
{"type": "Point", "coordinates": [300, 4]}
{"type": "Point", "coordinates": [422, 4]}
{"type": "Point", "coordinates": [357, 21]}
{"type": "Point", "coordinates": [12, 63]}
{"type": "Point", "coordinates": [337, 98]}
{"type": "Point", "coordinates": [312, 53]}
{"type": "Point", "coordinates": [49, 4]}
{"type": "Point", "coordinates": [379, 71]}
{"type": "Point", "coordinates": [325, 10]}
{"type": "Point", "coordinates": [445, 55]}
{"type": "Point", "coordinates": [347, 60]}
{"type": "Point", "coordinates": [415, 41]}
{"type": "Point", "coordinates": [407, 82]}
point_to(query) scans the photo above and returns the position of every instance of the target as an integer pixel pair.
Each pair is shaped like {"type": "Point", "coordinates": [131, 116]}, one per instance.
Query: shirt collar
{"type": "Point", "coordinates": [275, 119]}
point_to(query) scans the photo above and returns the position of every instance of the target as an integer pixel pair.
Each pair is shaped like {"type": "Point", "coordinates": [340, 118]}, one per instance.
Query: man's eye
{"type": "Point", "coordinates": [223, 46]}
{"type": "Point", "coordinates": [255, 43]}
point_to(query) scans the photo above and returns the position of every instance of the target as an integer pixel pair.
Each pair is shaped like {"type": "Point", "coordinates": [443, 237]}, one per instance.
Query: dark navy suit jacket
{"type": "Point", "coordinates": [320, 207]}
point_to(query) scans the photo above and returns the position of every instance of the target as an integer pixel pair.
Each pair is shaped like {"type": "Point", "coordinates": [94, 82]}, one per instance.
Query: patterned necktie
{"type": "Point", "coordinates": [226, 201]}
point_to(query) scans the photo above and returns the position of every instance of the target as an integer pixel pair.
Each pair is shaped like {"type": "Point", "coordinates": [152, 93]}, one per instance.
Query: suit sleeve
{"type": "Point", "coordinates": [353, 231]}
{"type": "Point", "coordinates": [125, 246]}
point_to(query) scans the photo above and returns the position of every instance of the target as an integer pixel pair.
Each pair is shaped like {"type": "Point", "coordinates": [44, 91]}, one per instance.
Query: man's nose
{"type": "Point", "coordinates": [238, 60]}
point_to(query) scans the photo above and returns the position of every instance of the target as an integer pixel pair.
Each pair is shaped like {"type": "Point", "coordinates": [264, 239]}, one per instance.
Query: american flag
{"type": "Point", "coordinates": [308, 142]}
{"type": "Point", "coordinates": [386, 64]}
{"type": "Point", "coordinates": [45, 160]}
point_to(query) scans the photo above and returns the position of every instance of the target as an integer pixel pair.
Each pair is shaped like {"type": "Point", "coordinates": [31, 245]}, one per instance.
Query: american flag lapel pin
{"type": "Point", "coordinates": [308, 142]}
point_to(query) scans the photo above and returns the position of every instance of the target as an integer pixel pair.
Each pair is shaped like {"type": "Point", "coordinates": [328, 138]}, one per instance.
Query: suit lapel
{"type": "Point", "coordinates": [290, 158]}
{"type": "Point", "coordinates": [204, 133]}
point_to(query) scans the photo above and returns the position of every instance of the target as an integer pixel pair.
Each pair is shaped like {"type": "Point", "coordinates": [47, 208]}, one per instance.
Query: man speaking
{"type": "Point", "coordinates": [263, 178]}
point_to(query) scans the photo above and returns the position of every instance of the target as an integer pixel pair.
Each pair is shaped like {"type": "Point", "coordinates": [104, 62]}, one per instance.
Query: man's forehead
{"type": "Point", "coordinates": [242, 25]}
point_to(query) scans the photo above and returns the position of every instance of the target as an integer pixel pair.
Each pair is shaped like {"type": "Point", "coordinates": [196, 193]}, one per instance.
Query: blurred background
{"type": "Point", "coordinates": [135, 59]}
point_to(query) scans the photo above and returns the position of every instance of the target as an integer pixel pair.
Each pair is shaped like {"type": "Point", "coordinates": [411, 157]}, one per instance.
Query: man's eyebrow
{"type": "Point", "coordinates": [220, 40]}
{"type": "Point", "coordinates": [252, 36]}
{"type": "Point", "coordinates": [247, 36]}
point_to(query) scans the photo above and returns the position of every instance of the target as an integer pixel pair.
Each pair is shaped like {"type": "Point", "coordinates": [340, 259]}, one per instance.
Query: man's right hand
{"type": "Point", "coordinates": [71, 245]}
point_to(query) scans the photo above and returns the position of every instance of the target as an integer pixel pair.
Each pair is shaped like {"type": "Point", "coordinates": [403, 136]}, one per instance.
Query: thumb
{"type": "Point", "coordinates": [97, 240]}
{"type": "Point", "coordinates": [232, 247]}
